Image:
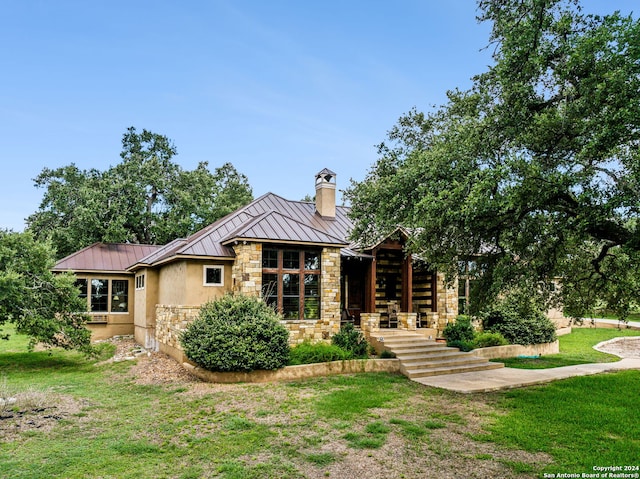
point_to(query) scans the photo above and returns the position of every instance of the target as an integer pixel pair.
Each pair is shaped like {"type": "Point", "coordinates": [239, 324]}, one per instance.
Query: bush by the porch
{"type": "Point", "coordinates": [352, 340]}
{"type": "Point", "coordinates": [459, 334]}
{"type": "Point", "coordinates": [236, 333]}
{"type": "Point", "coordinates": [520, 322]}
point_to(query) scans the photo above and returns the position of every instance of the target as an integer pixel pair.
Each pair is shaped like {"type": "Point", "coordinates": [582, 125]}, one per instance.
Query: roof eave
{"type": "Point", "coordinates": [238, 239]}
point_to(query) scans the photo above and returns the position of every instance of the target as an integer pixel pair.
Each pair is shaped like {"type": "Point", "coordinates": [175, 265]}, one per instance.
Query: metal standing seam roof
{"type": "Point", "coordinates": [273, 226]}
{"type": "Point", "coordinates": [116, 257]}
{"type": "Point", "coordinates": [268, 218]}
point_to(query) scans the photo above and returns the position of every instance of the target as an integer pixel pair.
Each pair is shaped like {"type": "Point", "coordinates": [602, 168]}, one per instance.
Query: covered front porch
{"type": "Point", "coordinates": [383, 288]}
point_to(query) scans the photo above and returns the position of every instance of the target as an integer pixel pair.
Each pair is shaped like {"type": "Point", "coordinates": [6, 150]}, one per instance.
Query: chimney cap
{"type": "Point", "coordinates": [325, 176]}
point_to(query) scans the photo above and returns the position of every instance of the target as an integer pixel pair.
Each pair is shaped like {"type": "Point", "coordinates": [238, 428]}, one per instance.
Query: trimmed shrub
{"type": "Point", "coordinates": [520, 322]}
{"type": "Point", "coordinates": [352, 340]}
{"type": "Point", "coordinates": [386, 354]}
{"type": "Point", "coordinates": [236, 333]}
{"type": "Point", "coordinates": [462, 345]}
{"type": "Point", "coordinates": [488, 339]}
{"type": "Point", "coordinates": [307, 353]}
{"type": "Point", "coordinates": [459, 331]}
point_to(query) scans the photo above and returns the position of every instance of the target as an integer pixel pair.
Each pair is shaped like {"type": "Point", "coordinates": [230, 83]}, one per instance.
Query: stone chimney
{"type": "Point", "coordinates": [326, 194]}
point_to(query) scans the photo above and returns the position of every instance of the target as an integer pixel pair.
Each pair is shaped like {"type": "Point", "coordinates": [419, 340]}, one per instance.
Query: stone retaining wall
{"type": "Point", "coordinates": [515, 350]}
{"type": "Point", "coordinates": [303, 371]}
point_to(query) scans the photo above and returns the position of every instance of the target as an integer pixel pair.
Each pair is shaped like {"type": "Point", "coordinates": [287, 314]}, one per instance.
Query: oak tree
{"type": "Point", "coordinates": [534, 172]}
{"type": "Point", "coordinates": [145, 198]}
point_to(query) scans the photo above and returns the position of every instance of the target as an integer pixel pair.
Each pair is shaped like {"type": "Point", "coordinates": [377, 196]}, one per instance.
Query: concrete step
{"type": "Point", "coordinates": [421, 357]}
{"type": "Point", "coordinates": [458, 360]}
{"type": "Point", "coordinates": [409, 348]}
{"type": "Point", "coordinates": [414, 344]}
{"type": "Point", "coordinates": [408, 343]}
{"type": "Point", "coordinates": [428, 356]}
{"type": "Point", "coordinates": [439, 371]}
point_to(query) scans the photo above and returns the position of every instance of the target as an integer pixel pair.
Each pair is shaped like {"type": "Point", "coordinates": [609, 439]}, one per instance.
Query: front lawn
{"type": "Point", "coordinates": [582, 422]}
{"type": "Point", "coordinates": [575, 348]}
{"type": "Point", "coordinates": [78, 418]}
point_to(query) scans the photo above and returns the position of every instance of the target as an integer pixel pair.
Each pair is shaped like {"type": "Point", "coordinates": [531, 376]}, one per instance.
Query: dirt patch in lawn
{"type": "Point", "coordinates": [34, 410]}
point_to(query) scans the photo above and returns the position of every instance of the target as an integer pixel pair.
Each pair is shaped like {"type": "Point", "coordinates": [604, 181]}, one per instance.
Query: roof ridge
{"type": "Point", "coordinates": [258, 219]}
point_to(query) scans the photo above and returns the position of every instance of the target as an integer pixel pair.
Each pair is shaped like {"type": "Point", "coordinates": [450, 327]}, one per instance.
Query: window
{"type": "Point", "coordinates": [104, 296]}
{"type": "Point", "coordinates": [82, 285]}
{"type": "Point", "coordinates": [291, 282]}
{"type": "Point", "coordinates": [99, 295]}
{"type": "Point", "coordinates": [140, 281]}
{"type": "Point", "coordinates": [213, 275]}
{"type": "Point", "coordinates": [467, 273]}
{"type": "Point", "coordinates": [119, 296]}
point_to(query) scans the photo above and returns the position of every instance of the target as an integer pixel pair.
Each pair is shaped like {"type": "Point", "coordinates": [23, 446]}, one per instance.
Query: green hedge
{"type": "Point", "coordinates": [307, 353]}
{"type": "Point", "coordinates": [236, 333]}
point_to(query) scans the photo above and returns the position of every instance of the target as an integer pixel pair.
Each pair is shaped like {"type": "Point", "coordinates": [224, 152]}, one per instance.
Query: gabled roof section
{"type": "Point", "coordinates": [269, 218]}
{"type": "Point", "coordinates": [161, 253]}
{"type": "Point", "coordinates": [399, 229]}
{"type": "Point", "coordinates": [108, 257]}
{"type": "Point", "coordinates": [276, 227]}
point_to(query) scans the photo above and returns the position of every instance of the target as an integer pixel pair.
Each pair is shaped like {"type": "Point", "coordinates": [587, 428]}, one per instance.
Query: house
{"type": "Point", "coordinates": [294, 254]}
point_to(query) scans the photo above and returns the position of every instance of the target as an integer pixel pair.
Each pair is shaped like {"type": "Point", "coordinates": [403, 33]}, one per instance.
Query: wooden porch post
{"type": "Point", "coordinates": [407, 285]}
{"type": "Point", "coordinates": [434, 291]}
{"type": "Point", "coordinates": [370, 292]}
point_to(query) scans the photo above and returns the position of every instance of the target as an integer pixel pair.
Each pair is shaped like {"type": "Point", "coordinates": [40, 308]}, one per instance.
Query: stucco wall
{"type": "Point", "coordinates": [196, 291]}
{"type": "Point", "coordinates": [145, 309]}
{"type": "Point", "coordinates": [172, 283]}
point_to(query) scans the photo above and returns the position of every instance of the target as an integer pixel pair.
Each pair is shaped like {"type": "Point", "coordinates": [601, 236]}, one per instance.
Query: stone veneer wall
{"type": "Point", "coordinates": [171, 320]}
{"type": "Point", "coordinates": [330, 291]}
{"type": "Point", "coordinates": [246, 272]}
{"type": "Point", "coordinates": [447, 305]}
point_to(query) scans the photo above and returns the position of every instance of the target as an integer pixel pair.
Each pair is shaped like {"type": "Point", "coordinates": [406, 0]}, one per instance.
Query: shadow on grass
{"type": "Point", "coordinates": [43, 361]}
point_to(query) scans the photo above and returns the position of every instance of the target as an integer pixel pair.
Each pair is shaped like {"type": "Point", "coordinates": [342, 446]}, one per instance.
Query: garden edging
{"type": "Point", "coordinates": [302, 371]}
{"type": "Point", "coordinates": [515, 350]}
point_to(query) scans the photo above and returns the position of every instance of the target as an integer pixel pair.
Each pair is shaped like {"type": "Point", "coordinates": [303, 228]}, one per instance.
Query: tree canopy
{"type": "Point", "coordinates": [145, 198]}
{"type": "Point", "coordinates": [42, 305]}
{"type": "Point", "coordinates": [534, 172]}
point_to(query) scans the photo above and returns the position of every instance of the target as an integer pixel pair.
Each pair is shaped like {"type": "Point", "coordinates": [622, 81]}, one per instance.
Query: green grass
{"type": "Point", "coordinates": [582, 422]}
{"type": "Point", "coordinates": [575, 348]}
{"type": "Point", "coordinates": [122, 429]}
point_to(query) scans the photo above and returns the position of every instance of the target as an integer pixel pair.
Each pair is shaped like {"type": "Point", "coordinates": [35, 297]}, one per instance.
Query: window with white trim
{"type": "Point", "coordinates": [140, 281]}
{"type": "Point", "coordinates": [213, 275]}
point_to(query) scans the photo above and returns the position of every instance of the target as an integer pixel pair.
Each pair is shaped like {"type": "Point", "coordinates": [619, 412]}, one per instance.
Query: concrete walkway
{"type": "Point", "coordinates": [507, 378]}
{"type": "Point", "coordinates": [627, 348]}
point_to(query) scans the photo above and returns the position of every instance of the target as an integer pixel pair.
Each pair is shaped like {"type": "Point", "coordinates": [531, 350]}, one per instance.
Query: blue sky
{"type": "Point", "coordinates": [281, 89]}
